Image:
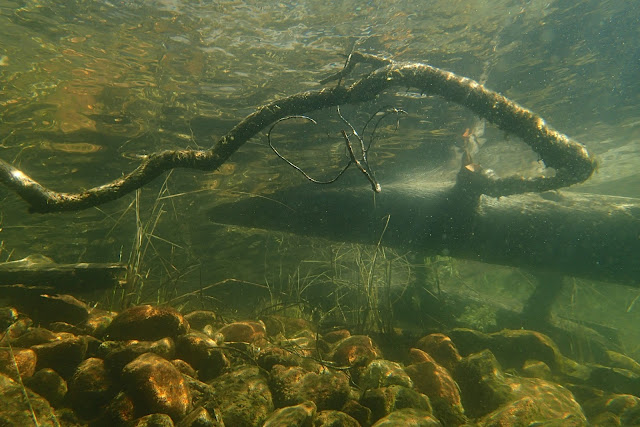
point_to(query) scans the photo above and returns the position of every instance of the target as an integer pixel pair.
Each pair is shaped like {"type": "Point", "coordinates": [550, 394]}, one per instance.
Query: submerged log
{"type": "Point", "coordinates": [583, 235]}
{"type": "Point", "coordinates": [40, 271]}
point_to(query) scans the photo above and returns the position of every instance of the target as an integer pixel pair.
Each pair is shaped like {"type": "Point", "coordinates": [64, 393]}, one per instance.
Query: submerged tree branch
{"type": "Point", "coordinates": [569, 158]}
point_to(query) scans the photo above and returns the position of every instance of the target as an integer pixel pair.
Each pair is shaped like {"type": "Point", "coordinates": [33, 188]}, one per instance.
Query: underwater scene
{"type": "Point", "coordinates": [344, 213]}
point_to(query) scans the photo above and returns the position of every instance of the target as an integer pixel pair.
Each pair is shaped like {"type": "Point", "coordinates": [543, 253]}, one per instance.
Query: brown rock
{"type": "Point", "coordinates": [34, 336]}
{"type": "Point", "coordinates": [272, 355]}
{"type": "Point", "coordinates": [48, 384]}
{"type": "Point", "coordinates": [298, 415]}
{"type": "Point", "coordinates": [418, 356]}
{"type": "Point", "coordinates": [184, 368]}
{"type": "Point", "coordinates": [117, 354]}
{"type": "Point", "coordinates": [512, 347]}
{"type": "Point", "coordinates": [98, 322]}
{"type": "Point", "coordinates": [242, 397]}
{"type": "Point", "coordinates": [287, 326]}
{"type": "Point", "coordinates": [441, 348]}
{"type": "Point", "coordinates": [247, 332]}
{"type": "Point", "coordinates": [120, 411]}
{"type": "Point", "coordinates": [537, 401]}
{"type": "Point", "coordinates": [383, 401]}
{"type": "Point", "coordinates": [383, 373]}
{"type": "Point", "coordinates": [155, 385]}
{"type": "Point", "coordinates": [356, 350]}
{"type": "Point", "coordinates": [202, 352]}
{"type": "Point", "coordinates": [153, 420]}
{"type": "Point", "coordinates": [358, 412]}
{"type": "Point", "coordinates": [409, 417]}
{"type": "Point", "coordinates": [484, 386]}
{"type": "Point", "coordinates": [334, 419]}
{"type": "Point", "coordinates": [25, 361]}
{"type": "Point", "coordinates": [14, 412]}
{"type": "Point", "coordinates": [294, 385]}
{"type": "Point", "coordinates": [436, 382]}
{"type": "Point", "coordinates": [146, 322]}
{"type": "Point", "coordinates": [63, 355]}
{"type": "Point", "coordinates": [536, 369]}
{"type": "Point", "coordinates": [90, 388]}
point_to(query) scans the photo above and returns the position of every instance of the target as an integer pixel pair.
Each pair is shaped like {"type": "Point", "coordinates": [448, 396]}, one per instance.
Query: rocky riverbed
{"type": "Point", "coordinates": [64, 363]}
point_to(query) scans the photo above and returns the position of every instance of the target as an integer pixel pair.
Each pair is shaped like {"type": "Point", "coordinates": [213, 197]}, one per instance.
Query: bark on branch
{"type": "Point", "coordinates": [569, 158]}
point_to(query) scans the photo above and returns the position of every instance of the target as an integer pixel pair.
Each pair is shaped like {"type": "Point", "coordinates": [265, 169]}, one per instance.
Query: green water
{"type": "Point", "coordinates": [87, 86]}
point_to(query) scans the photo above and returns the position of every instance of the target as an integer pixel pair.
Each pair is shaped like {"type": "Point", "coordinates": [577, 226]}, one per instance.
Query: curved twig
{"type": "Point", "coordinates": [293, 165]}
{"type": "Point", "coordinates": [569, 158]}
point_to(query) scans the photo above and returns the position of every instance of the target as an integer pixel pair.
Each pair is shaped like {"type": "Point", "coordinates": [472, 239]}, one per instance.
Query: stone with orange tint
{"type": "Point", "coordinates": [418, 356]}
{"type": "Point", "coordinates": [356, 350]}
{"type": "Point", "coordinates": [146, 322]}
{"type": "Point", "coordinates": [246, 331]}
{"type": "Point", "coordinates": [436, 382]}
{"type": "Point", "coordinates": [155, 385]}
{"type": "Point", "coordinates": [25, 361]}
{"type": "Point", "coordinates": [441, 348]}
{"type": "Point", "coordinates": [90, 388]}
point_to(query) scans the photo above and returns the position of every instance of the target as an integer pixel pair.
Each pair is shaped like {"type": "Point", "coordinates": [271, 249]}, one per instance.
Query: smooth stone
{"type": "Point", "coordinates": [63, 355]}
{"type": "Point", "coordinates": [437, 383]}
{"type": "Point", "coordinates": [117, 354]}
{"type": "Point", "coordinates": [155, 385]}
{"type": "Point", "coordinates": [246, 332]}
{"type": "Point", "coordinates": [98, 322]}
{"type": "Point", "coordinates": [293, 385]}
{"type": "Point", "coordinates": [14, 411]}
{"type": "Point", "coordinates": [357, 411]}
{"type": "Point", "coordinates": [286, 326]}
{"type": "Point", "coordinates": [242, 397]}
{"type": "Point", "coordinates": [90, 388]}
{"type": "Point", "coordinates": [534, 400]}
{"type": "Point", "coordinates": [383, 401]}
{"type": "Point", "coordinates": [153, 420]}
{"type": "Point", "coordinates": [356, 350]}
{"type": "Point", "coordinates": [34, 336]}
{"type": "Point", "coordinates": [483, 384]}
{"type": "Point", "coordinates": [409, 417]}
{"type": "Point", "coordinates": [48, 384]}
{"type": "Point", "coordinates": [25, 361]}
{"type": "Point", "coordinates": [120, 411]}
{"type": "Point", "coordinates": [272, 355]}
{"type": "Point", "coordinates": [418, 356]}
{"type": "Point", "coordinates": [441, 348]}
{"type": "Point", "coordinates": [202, 353]}
{"type": "Point", "coordinates": [536, 369]}
{"type": "Point", "coordinates": [184, 368]}
{"type": "Point", "coordinates": [384, 373]}
{"type": "Point", "coordinates": [148, 323]}
{"type": "Point", "coordinates": [298, 415]}
{"type": "Point", "coordinates": [330, 418]}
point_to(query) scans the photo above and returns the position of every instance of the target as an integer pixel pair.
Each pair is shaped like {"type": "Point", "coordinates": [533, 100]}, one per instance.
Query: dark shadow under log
{"type": "Point", "coordinates": [583, 235]}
